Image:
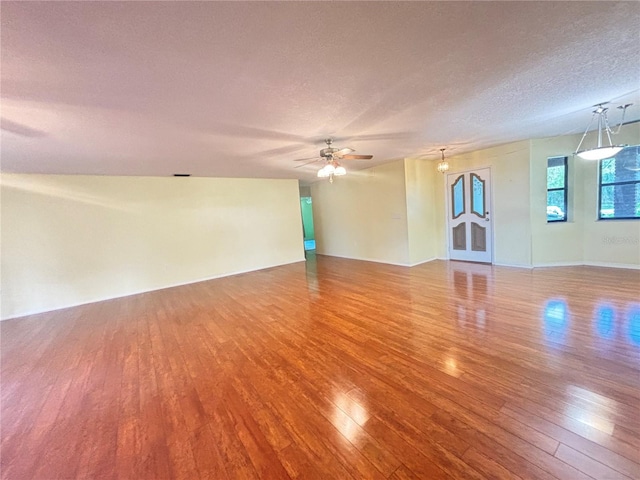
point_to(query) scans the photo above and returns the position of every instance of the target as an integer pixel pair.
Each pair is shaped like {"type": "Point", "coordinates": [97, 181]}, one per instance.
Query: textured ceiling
{"type": "Point", "coordinates": [241, 89]}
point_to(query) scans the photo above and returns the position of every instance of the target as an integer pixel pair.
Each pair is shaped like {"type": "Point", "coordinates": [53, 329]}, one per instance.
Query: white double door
{"type": "Point", "coordinates": [469, 225]}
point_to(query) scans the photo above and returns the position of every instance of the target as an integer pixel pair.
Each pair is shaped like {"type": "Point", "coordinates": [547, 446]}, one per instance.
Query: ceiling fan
{"type": "Point", "coordinates": [331, 155]}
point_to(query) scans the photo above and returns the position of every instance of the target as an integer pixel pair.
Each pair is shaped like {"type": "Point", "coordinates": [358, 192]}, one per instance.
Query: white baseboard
{"type": "Point", "coordinates": [588, 264]}
{"type": "Point", "coordinates": [499, 264]}
{"type": "Point", "coordinates": [557, 264]}
{"type": "Point", "coordinates": [138, 292]}
{"type": "Point", "coordinates": [513, 265]}
{"type": "Point", "coordinates": [633, 266]}
{"type": "Point", "coordinates": [364, 259]}
{"type": "Point", "coordinates": [423, 261]}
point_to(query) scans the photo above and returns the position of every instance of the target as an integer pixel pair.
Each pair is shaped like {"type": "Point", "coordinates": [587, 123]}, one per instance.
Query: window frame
{"type": "Point", "coordinates": [564, 188]}
{"type": "Point", "coordinates": [612, 184]}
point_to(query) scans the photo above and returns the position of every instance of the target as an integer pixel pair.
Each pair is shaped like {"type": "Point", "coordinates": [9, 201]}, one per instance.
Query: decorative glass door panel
{"type": "Point", "coordinates": [457, 197]}
{"type": "Point", "coordinates": [468, 216]}
{"type": "Point", "coordinates": [478, 195]}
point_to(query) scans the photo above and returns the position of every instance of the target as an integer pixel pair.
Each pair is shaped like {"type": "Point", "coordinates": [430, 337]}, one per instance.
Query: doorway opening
{"type": "Point", "coordinates": [306, 207]}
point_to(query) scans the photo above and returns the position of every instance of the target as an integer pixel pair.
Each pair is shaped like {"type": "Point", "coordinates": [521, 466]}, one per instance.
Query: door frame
{"type": "Point", "coordinates": [448, 208]}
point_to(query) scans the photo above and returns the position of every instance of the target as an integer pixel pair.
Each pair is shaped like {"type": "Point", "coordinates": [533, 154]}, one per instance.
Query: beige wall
{"type": "Point", "coordinates": [363, 215]}
{"type": "Point", "coordinates": [583, 238]}
{"type": "Point", "coordinates": [560, 242]}
{"type": "Point", "coordinates": [423, 209]}
{"type": "Point", "coordinates": [69, 240]}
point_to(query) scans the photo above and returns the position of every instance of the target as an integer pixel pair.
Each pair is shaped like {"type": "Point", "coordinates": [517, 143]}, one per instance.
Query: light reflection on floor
{"type": "Point", "coordinates": [471, 288]}
{"type": "Point", "coordinates": [605, 322]}
{"type": "Point", "coordinates": [349, 417]}
{"type": "Point", "coordinates": [633, 324]}
{"type": "Point", "coordinates": [451, 367]}
{"type": "Point", "coordinates": [595, 410]}
{"type": "Point", "coordinates": [608, 322]}
{"type": "Point", "coordinates": [556, 321]}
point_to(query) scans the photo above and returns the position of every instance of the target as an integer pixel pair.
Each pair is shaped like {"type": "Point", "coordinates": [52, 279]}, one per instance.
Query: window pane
{"type": "Point", "coordinates": [624, 167]}
{"type": "Point", "coordinates": [620, 185]}
{"type": "Point", "coordinates": [556, 172]}
{"type": "Point", "coordinates": [608, 170]}
{"type": "Point", "coordinates": [556, 181]}
{"type": "Point", "coordinates": [556, 209]}
{"type": "Point", "coordinates": [620, 201]}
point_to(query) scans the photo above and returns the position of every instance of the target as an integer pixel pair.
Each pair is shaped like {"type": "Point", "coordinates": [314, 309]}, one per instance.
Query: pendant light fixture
{"type": "Point", "coordinates": [602, 151]}
{"type": "Point", "coordinates": [443, 166]}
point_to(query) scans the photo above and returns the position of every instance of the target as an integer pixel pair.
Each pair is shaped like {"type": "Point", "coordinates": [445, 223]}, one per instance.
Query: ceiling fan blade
{"type": "Point", "coordinates": [343, 151]}
{"type": "Point", "coordinates": [303, 164]}
{"type": "Point", "coordinates": [357, 157]}
{"type": "Point", "coordinates": [306, 159]}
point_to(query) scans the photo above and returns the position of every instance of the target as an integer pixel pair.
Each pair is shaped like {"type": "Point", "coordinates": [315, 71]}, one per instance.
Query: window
{"type": "Point", "coordinates": [557, 189]}
{"type": "Point", "coordinates": [620, 185]}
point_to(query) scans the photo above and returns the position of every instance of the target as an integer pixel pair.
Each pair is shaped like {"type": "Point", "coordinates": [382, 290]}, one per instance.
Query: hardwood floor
{"type": "Point", "coordinates": [335, 369]}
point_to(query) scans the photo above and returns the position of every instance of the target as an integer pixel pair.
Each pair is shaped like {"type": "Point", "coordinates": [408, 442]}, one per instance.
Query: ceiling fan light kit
{"type": "Point", "coordinates": [340, 170]}
{"type": "Point", "coordinates": [331, 170]}
{"type": "Point", "coordinates": [326, 171]}
{"type": "Point", "coordinates": [331, 155]}
{"type": "Point", "coordinates": [602, 151]}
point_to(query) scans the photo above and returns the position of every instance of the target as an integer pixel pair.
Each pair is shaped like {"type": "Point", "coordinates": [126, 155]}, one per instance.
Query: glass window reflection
{"type": "Point", "coordinates": [634, 324]}
{"type": "Point", "coordinates": [606, 322]}
{"type": "Point", "coordinates": [556, 320]}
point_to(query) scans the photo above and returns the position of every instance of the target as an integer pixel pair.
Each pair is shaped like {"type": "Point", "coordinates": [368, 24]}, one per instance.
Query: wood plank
{"type": "Point", "coordinates": [607, 450]}
{"type": "Point", "coordinates": [488, 467]}
{"type": "Point", "coordinates": [509, 451]}
{"type": "Point", "coordinates": [588, 465]}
